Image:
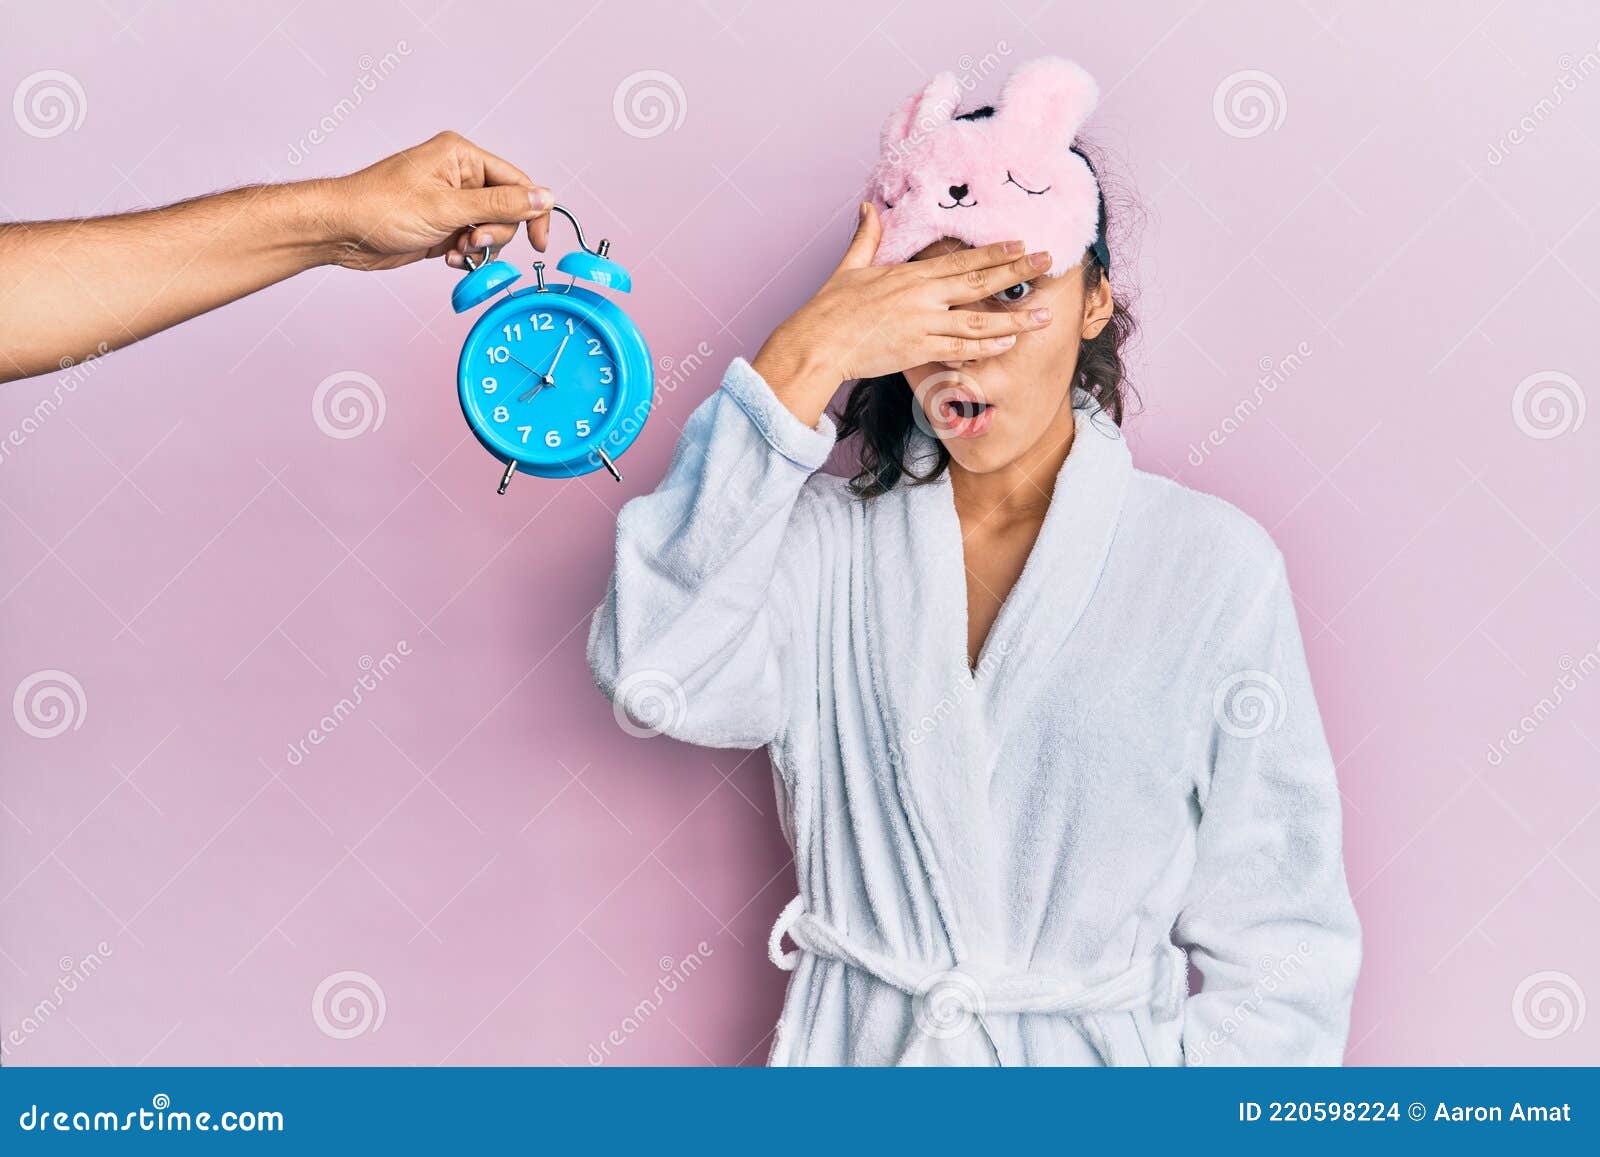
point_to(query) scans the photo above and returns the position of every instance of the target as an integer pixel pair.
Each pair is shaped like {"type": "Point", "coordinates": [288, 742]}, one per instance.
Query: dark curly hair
{"type": "Point", "coordinates": [879, 410]}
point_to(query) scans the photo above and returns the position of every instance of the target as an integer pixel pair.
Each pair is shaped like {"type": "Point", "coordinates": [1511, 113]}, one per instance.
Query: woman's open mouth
{"type": "Point", "coordinates": [965, 417]}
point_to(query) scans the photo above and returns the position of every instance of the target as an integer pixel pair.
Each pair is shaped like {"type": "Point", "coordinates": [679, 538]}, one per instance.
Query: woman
{"type": "Point", "coordinates": [1040, 722]}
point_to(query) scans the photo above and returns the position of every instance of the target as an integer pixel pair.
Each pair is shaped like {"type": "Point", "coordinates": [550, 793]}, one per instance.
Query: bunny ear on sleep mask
{"type": "Point", "coordinates": [995, 173]}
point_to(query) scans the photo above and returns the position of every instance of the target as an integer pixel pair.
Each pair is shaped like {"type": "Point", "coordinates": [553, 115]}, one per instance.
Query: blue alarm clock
{"type": "Point", "coordinates": [554, 382]}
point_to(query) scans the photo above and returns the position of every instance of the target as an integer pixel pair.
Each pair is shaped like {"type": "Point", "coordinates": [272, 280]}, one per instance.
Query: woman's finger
{"type": "Point", "coordinates": [991, 323]}
{"type": "Point", "coordinates": [960, 261]}
{"type": "Point", "coordinates": [977, 284]}
{"type": "Point", "coordinates": [949, 348]}
{"type": "Point", "coordinates": [864, 245]}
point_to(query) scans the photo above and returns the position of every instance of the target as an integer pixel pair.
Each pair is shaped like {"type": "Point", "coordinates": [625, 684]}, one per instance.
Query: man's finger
{"type": "Point", "coordinates": [498, 170]}
{"type": "Point", "coordinates": [449, 248]}
{"type": "Point", "coordinates": [495, 204]}
{"type": "Point", "coordinates": [487, 237]}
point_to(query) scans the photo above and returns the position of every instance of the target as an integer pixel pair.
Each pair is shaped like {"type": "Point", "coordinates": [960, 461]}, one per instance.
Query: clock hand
{"type": "Point", "coordinates": [548, 377]}
{"type": "Point", "coordinates": [522, 363]}
{"type": "Point", "coordinates": [550, 374]}
{"type": "Point", "coordinates": [559, 351]}
{"type": "Point", "coordinates": [532, 373]}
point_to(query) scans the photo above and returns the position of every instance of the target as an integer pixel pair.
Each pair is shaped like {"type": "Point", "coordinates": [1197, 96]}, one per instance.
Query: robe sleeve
{"type": "Point", "coordinates": [710, 574]}
{"type": "Point", "coordinates": [1267, 918]}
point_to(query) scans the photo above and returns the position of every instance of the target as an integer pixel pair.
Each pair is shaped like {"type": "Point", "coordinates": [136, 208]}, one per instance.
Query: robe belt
{"type": "Point", "coordinates": [1159, 982]}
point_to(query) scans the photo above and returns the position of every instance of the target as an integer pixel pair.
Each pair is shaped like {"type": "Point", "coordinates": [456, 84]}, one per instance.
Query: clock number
{"type": "Point", "coordinates": [524, 431]}
{"type": "Point", "coordinates": [513, 332]}
{"type": "Point", "coordinates": [605, 375]}
{"type": "Point", "coordinates": [490, 385]}
{"type": "Point", "coordinates": [595, 349]}
{"type": "Point", "coordinates": [552, 439]}
{"type": "Point", "coordinates": [583, 427]}
{"type": "Point", "coordinates": [498, 353]}
{"type": "Point", "coordinates": [501, 414]}
{"type": "Point", "coordinates": [600, 406]}
{"type": "Point", "coordinates": [542, 321]}
{"type": "Point", "coordinates": [571, 328]}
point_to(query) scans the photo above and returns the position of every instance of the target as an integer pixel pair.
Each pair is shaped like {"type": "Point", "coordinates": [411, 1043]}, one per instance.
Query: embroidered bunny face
{"type": "Point", "coordinates": [995, 175]}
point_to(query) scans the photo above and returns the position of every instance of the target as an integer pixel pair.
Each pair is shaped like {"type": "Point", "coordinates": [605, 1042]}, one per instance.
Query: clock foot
{"type": "Point", "coordinates": [609, 465]}
{"type": "Point", "coordinates": [505, 479]}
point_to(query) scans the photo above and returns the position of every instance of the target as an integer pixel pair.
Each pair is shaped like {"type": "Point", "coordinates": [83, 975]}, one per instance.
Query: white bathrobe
{"type": "Point", "coordinates": [1011, 864]}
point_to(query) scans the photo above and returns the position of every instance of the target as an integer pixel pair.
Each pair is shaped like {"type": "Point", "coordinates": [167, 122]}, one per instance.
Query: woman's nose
{"type": "Point", "coordinates": [957, 192]}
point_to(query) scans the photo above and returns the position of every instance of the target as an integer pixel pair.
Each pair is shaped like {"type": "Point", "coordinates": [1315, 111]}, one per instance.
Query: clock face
{"type": "Point", "coordinates": [541, 379]}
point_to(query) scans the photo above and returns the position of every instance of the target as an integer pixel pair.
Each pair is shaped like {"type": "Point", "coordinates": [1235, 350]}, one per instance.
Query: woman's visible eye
{"type": "Point", "coordinates": [1015, 293]}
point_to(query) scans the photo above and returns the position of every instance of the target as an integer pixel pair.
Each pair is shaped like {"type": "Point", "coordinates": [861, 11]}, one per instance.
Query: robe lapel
{"type": "Point", "coordinates": [1059, 579]}
{"type": "Point", "coordinates": [944, 723]}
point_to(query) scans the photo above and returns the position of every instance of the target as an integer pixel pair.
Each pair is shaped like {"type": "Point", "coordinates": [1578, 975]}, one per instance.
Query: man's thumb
{"type": "Point", "coordinates": [864, 245]}
{"type": "Point", "coordinates": [498, 204]}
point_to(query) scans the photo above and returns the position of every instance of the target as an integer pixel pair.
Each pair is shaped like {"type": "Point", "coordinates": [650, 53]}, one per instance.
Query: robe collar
{"type": "Point", "coordinates": [945, 722]}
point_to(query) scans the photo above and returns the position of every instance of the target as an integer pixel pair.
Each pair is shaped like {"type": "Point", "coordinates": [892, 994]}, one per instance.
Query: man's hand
{"type": "Point", "coordinates": [70, 289]}
{"type": "Point", "coordinates": [425, 202]}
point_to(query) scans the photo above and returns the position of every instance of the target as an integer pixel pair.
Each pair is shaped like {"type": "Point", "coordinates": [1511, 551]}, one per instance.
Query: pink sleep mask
{"type": "Point", "coordinates": [995, 173]}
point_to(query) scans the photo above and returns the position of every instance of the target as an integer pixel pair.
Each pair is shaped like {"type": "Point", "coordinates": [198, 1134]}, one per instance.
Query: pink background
{"type": "Point", "coordinates": [480, 840]}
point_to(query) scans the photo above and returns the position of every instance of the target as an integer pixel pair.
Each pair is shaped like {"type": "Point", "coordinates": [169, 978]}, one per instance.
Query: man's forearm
{"type": "Point", "coordinates": [71, 288]}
